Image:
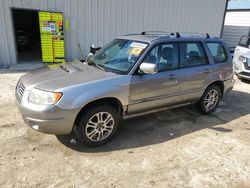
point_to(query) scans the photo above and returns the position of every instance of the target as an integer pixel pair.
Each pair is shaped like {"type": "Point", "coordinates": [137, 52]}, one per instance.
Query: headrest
{"type": "Point", "coordinates": [193, 54]}
{"type": "Point", "coordinates": [167, 53]}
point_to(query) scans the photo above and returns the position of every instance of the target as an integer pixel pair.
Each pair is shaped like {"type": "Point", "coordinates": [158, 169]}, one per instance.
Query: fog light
{"type": "Point", "coordinates": [36, 127]}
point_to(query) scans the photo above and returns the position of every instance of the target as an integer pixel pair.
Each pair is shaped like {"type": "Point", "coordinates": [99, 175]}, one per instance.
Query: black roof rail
{"type": "Point", "coordinates": [196, 34]}
{"type": "Point", "coordinates": [177, 34]}
{"type": "Point", "coordinates": [152, 32]}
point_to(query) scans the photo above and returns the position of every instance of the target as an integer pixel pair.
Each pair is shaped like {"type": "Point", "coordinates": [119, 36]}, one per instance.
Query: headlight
{"type": "Point", "coordinates": [38, 96]}
{"type": "Point", "coordinates": [243, 59]}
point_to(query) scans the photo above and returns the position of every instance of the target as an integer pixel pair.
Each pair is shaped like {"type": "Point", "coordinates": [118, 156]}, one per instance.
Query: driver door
{"type": "Point", "coordinates": [151, 91]}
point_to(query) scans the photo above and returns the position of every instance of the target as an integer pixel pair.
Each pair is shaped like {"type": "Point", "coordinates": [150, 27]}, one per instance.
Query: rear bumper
{"type": "Point", "coordinates": [49, 119]}
{"type": "Point", "coordinates": [228, 85]}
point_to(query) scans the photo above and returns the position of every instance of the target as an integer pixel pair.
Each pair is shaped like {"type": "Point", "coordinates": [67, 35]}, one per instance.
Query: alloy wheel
{"type": "Point", "coordinates": [211, 99]}
{"type": "Point", "coordinates": [99, 126]}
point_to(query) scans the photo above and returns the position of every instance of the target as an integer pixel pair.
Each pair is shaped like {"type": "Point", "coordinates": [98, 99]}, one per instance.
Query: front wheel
{"type": "Point", "coordinates": [210, 99]}
{"type": "Point", "coordinates": [98, 125]}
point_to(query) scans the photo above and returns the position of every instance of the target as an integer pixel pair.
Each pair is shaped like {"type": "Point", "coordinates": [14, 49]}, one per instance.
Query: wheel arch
{"type": "Point", "coordinates": [111, 101]}
{"type": "Point", "coordinates": [218, 83]}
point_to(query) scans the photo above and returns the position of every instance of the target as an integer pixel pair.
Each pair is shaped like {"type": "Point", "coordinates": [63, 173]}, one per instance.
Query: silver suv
{"type": "Point", "coordinates": [130, 76]}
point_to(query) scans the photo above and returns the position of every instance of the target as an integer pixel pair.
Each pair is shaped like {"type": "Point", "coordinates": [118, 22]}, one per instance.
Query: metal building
{"type": "Point", "coordinates": [237, 23]}
{"type": "Point", "coordinates": [96, 22]}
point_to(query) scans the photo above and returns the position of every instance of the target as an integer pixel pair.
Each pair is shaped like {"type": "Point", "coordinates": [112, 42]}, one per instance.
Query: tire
{"type": "Point", "coordinates": [207, 104]}
{"type": "Point", "coordinates": [92, 129]}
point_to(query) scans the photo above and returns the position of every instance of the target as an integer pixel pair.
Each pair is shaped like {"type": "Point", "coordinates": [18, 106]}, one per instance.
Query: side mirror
{"type": "Point", "coordinates": [148, 68]}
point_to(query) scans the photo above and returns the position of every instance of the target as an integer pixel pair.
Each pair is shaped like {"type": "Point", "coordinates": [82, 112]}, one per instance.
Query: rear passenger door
{"type": "Point", "coordinates": [195, 68]}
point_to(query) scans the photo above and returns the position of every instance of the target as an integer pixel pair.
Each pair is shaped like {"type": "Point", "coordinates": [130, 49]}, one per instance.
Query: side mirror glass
{"type": "Point", "coordinates": [148, 68]}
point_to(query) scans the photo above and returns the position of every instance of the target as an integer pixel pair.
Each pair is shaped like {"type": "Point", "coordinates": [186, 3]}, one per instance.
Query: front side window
{"type": "Point", "coordinates": [218, 52]}
{"type": "Point", "coordinates": [192, 54]}
{"type": "Point", "coordinates": [164, 55]}
{"type": "Point", "coordinates": [118, 56]}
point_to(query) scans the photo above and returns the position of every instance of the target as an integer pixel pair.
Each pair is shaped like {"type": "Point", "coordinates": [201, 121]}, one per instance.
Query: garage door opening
{"type": "Point", "coordinates": [27, 36]}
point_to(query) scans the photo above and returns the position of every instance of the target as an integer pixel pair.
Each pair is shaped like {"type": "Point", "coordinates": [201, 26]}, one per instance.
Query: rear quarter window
{"type": "Point", "coordinates": [218, 51]}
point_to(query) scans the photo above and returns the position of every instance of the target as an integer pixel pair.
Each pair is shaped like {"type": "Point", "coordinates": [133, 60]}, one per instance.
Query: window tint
{"type": "Point", "coordinates": [245, 41]}
{"type": "Point", "coordinates": [192, 54]}
{"type": "Point", "coordinates": [218, 52]}
{"type": "Point", "coordinates": [164, 55]}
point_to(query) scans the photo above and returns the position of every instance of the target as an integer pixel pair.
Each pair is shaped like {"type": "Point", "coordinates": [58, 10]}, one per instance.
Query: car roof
{"type": "Point", "coordinates": [149, 37]}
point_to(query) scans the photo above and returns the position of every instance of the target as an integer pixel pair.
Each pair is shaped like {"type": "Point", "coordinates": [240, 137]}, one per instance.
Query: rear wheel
{"type": "Point", "coordinates": [98, 125]}
{"type": "Point", "coordinates": [210, 99]}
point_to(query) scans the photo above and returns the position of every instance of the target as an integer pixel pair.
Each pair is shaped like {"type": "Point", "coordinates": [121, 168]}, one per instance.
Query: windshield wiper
{"type": "Point", "coordinates": [96, 65]}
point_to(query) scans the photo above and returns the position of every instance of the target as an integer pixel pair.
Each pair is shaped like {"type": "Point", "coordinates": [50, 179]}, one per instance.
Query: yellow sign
{"type": "Point", "coordinates": [52, 37]}
{"type": "Point", "coordinates": [135, 51]}
{"type": "Point", "coordinates": [67, 25]}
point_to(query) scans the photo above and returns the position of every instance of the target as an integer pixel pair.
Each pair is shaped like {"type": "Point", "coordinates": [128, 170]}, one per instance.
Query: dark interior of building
{"type": "Point", "coordinates": [27, 35]}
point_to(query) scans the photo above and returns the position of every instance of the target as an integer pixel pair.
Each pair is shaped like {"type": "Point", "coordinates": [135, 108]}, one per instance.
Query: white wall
{"type": "Point", "coordinates": [237, 18]}
{"type": "Point", "coordinates": [99, 21]}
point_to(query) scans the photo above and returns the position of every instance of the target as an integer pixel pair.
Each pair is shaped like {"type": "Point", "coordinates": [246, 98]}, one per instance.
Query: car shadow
{"type": "Point", "coordinates": [167, 125]}
{"type": "Point", "coordinates": [245, 81]}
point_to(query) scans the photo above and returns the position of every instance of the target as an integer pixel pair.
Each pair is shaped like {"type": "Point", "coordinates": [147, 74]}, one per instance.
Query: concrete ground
{"type": "Point", "coordinates": [177, 148]}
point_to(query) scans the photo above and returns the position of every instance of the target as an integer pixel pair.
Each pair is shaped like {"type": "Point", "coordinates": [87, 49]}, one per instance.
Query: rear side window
{"type": "Point", "coordinates": [218, 51]}
{"type": "Point", "coordinates": [192, 54]}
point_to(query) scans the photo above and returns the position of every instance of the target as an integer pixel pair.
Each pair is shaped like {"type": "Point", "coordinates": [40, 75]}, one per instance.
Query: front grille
{"type": "Point", "coordinates": [245, 74]}
{"type": "Point", "coordinates": [20, 90]}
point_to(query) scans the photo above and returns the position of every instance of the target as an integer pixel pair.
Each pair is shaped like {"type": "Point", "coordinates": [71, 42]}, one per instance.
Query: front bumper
{"type": "Point", "coordinates": [242, 70]}
{"type": "Point", "coordinates": [48, 119]}
{"type": "Point", "coordinates": [244, 75]}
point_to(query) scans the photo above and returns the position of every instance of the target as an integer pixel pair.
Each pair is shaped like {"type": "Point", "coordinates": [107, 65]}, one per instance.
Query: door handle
{"type": "Point", "coordinates": [171, 77]}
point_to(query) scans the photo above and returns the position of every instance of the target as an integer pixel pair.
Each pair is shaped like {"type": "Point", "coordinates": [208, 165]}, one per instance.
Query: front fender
{"type": "Point", "coordinates": [79, 96]}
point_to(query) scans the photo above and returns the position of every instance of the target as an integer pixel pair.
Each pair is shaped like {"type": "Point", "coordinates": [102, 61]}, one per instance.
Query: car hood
{"type": "Point", "coordinates": [247, 54]}
{"type": "Point", "coordinates": [64, 75]}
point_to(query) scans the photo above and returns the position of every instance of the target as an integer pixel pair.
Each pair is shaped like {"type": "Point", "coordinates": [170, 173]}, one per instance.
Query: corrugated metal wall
{"type": "Point", "coordinates": [98, 21]}
{"type": "Point", "coordinates": [232, 34]}
{"type": "Point", "coordinates": [237, 23]}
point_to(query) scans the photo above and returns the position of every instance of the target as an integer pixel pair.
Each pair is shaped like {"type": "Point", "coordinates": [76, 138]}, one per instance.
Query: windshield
{"type": "Point", "coordinates": [119, 56]}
